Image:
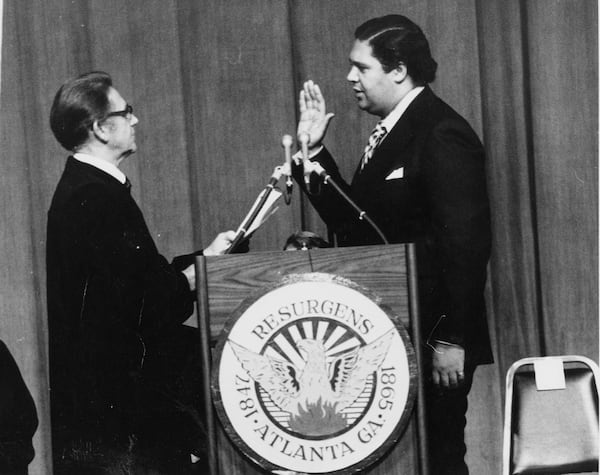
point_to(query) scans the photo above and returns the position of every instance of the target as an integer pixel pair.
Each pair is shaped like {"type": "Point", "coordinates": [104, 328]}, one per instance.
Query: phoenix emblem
{"type": "Point", "coordinates": [315, 394]}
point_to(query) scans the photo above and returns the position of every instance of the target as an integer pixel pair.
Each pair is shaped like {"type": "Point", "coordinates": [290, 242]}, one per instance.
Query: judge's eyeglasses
{"type": "Point", "coordinates": [126, 113]}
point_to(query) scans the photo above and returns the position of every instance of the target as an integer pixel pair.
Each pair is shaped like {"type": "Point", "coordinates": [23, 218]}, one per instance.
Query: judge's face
{"type": "Point", "coordinates": [120, 124]}
{"type": "Point", "coordinates": [375, 90]}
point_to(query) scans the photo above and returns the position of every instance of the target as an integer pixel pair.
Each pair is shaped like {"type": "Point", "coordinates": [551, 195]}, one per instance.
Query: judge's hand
{"type": "Point", "coordinates": [190, 275]}
{"type": "Point", "coordinates": [448, 365]}
{"type": "Point", "coordinates": [221, 243]}
{"type": "Point", "coordinates": [314, 119]}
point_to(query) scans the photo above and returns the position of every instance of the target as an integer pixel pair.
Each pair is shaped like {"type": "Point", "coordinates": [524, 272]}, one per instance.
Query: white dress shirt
{"type": "Point", "coordinates": [103, 165]}
{"type": "Point", "coordinates": [393, 117]}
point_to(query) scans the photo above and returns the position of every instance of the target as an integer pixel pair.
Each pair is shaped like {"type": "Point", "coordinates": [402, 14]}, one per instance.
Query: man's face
{"type": "Point", "coordinates": [374, 88]}
{"type": "Point", "coordinates": [120, 127]}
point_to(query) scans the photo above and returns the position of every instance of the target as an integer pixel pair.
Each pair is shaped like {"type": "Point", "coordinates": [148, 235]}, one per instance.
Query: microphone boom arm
{"type": "Point", "coordinates": [362, 215]}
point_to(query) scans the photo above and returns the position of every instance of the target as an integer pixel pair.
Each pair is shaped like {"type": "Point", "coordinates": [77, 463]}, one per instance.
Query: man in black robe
{"type": "Point", "coordinates": [122, 383]}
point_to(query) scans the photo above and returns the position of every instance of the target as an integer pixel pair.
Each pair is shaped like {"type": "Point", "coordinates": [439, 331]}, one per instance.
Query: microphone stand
{"type": "Point", "coordinates": [286, 142]}
{"type": "Point", "coordinates": [362, 215]}
{"type": "Point", "coordinates": [241, 234]}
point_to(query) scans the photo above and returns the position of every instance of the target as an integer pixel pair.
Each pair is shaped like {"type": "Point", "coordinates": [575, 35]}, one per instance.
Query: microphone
{"type": "Point", "coordinates": [275, 177]}
{"type": "Point", "coordinates": [304, 138]}
{"type": "Point", "coordinates": [286, 142]}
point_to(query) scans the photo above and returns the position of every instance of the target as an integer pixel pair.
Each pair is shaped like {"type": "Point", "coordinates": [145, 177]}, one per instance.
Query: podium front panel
{"type": "Point", "coordinates": [231, 279]}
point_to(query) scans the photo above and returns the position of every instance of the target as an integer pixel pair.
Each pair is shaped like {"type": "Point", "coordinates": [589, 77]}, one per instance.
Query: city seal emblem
{"type": "Point", "coordinates": [314, 375]}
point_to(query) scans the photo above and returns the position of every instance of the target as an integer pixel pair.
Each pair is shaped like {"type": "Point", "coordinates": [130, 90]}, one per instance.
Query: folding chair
{"type": "Point", "coordinates": [551, 416]}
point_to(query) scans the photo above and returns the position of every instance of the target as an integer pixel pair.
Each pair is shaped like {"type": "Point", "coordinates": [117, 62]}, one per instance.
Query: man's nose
{"type": "Point", "coordinates": [352, 75]}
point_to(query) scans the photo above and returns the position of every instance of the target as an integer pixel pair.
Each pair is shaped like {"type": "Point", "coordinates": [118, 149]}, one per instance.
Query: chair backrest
{"type": "Point", "coordinates": [551, 416]}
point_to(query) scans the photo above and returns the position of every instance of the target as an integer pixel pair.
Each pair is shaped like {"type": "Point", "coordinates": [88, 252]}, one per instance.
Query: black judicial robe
{"type": "Point", "coordinates": [111, 298]}
{"type": "Point", "coordinates": [18, 417]}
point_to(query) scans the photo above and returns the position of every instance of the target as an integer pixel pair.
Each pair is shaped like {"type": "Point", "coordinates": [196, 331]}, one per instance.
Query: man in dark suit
{"type": "Point", "coordinates": [421, 179]}
{"type": "Point", "coordinates": [121, 362]}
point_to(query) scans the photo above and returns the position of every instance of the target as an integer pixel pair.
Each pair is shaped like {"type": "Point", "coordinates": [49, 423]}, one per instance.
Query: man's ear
{"type": "Point", "coordinates": [400, 73]}
{"type": "Point", "coordinates": [100, 132]}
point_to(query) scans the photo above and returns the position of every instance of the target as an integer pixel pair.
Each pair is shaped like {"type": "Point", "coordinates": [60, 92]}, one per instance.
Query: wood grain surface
{"type": "Point", "coordinates": [234, 280]}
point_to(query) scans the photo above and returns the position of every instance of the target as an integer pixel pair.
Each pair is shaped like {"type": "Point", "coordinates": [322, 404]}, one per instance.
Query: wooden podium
{"type": "Point", "coordinates": [223, 282]}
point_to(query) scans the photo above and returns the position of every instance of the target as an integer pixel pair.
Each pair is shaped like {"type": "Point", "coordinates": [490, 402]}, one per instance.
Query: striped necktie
{"type": "Point", "coordinates": [374, 140]}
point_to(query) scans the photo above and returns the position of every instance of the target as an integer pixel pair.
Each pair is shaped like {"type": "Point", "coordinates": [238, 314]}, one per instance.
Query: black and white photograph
{"type": "Point", "coordinates": [432, 165]}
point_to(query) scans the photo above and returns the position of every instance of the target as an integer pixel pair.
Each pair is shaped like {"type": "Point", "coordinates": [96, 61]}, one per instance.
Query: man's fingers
{"type": "Point", "coordinates": [319, 97]}
{"type": "Point", "coordinates": [302, 101]}
{"type": "Point", "coordinates": [327, 119]}
{"type": "Point", "coordinates": [229, 235]}
{"type": "Point", "coordinates": [309, 92]}
{"type": "Point", "coordinates": [315, 95]}
{"type": "Point", "coordinates": [435, 376]}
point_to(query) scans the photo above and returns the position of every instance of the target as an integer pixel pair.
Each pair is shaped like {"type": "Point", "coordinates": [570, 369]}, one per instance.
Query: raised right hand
{"type": "Point", "coordinates": [314, 119]}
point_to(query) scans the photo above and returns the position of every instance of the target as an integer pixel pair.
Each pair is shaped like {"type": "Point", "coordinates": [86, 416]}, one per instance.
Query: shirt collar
{"type": "Point", "coordinates": [390, 120]}
{"type": "Point", "coordinates": [102, 165]}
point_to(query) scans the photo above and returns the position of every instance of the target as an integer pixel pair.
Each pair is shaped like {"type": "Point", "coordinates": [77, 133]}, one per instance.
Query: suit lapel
{"type": "Point", "coordinates": [392, 152]}
{"type": "Point", "coordinates": [386, 155]}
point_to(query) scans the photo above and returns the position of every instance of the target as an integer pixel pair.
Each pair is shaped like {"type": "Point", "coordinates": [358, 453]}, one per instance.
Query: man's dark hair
{"type": "Point", "coordinates": [305, 240]}
{"type": "Point", "coordinates": [77, 105]}
{"type": "Point", "coordinates": [395, 39]}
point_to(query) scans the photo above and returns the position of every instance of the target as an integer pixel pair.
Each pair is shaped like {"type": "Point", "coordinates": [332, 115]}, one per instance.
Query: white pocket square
{"type": "Point", "coordinates": [397, 173]}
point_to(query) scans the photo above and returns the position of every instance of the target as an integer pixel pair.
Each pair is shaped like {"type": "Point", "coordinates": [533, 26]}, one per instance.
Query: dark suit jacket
{"type": "Point", "coordinates": [18, 417]}
{"type": "Point", "coordinates": [111, 297]}
{"type": "Point", "coordinates": [440, 203]}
